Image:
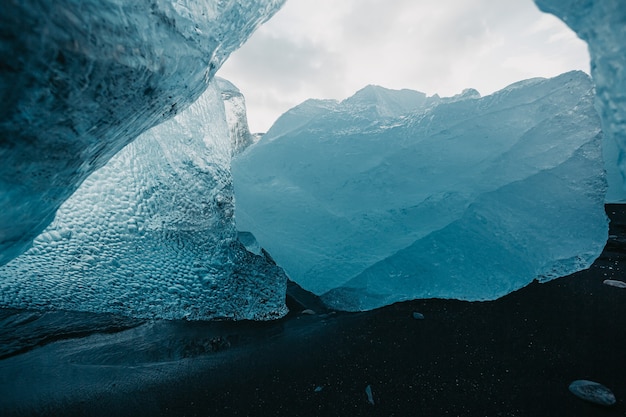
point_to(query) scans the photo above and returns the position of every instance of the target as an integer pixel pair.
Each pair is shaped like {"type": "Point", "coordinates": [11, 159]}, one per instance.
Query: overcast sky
{"type": "Point", "coordinates": [332, 48]}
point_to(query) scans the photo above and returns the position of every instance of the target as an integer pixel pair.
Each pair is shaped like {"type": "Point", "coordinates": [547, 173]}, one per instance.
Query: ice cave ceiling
{"type": "Point", "coordinates": [82, 79]}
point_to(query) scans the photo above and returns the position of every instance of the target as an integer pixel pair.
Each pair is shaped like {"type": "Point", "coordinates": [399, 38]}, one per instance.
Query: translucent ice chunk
{"type": "Point", "coordinates": [151, 234]}
{"type": "Point", "coordinates": [235, 104]}
{"type": "Point", "coordinates": [468, 197]}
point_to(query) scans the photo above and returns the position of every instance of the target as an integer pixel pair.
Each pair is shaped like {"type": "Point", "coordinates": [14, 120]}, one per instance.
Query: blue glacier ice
{"type": "Point", "coordinates": [236, 117]}
{"type": "Point", "coordinates": [80, 79]}
{"type": "Point", "coordinates": [616, 191]}
{"type": "Point", "coordinates": [602, 24]}
{"type": "Point", "coordinates": [152, 233]}
{"type": "Point", "coordinates": [392, 195]}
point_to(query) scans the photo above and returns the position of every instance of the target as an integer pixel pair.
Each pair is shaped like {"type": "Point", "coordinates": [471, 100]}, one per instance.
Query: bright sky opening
{"type": "Point", "coordinates": [331, 49]}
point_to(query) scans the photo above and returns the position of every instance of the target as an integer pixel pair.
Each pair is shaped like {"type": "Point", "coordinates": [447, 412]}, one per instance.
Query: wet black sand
{"type": "Point", "coordinates": [512, 357]}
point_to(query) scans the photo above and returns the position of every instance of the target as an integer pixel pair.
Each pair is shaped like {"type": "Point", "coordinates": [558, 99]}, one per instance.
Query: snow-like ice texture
{"type": "Point", "coordinates": [391, 195]}
{"type": "Point", "coordinates": [602, 24]}
{"type": "Point", "coordinates": [79, 79]}
{"type": "Point", "coordinates": [151, 234]}
{"type": "Point", "coordinates": [235, 104]}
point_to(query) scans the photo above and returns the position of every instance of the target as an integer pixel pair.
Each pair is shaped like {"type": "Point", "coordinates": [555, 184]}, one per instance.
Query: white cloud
{"type": "Point", "coordinates": [330, 49]}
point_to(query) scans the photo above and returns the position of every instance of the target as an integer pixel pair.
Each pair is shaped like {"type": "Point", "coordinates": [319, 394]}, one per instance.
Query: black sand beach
{"type": "Point", "coordinates": [512, 357]}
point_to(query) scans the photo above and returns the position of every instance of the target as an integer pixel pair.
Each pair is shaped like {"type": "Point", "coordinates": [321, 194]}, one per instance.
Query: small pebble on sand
{"type": "Point", "coordinates": [614, 283]}
{"type": "Point", "coordinates": [370, 395]}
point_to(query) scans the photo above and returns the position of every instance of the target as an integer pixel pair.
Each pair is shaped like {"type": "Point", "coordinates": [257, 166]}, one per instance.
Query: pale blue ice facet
{"type": "Point", "coordinates": [152, 234]}
{"type": "Point", "coordinates": [392, 195]}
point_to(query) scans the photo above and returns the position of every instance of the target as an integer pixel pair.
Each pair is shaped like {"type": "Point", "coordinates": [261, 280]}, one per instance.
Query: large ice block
{"type": "Point", "coordinates": [370, 202]}
{"type": "Point", "coordinates": [151, 234]}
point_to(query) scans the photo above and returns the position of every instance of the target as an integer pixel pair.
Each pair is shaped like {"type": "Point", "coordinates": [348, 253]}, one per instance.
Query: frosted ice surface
{"type": "Point", "coordinates": [464, 197]}
{"type": "Point", "coordinates": [371, 103]}
{"type": "Point", "coordinates": [151, 234]}
{"type": "Point", "coordinates": [235, 106]}
{"type": "Point", "coordinates": [602, 24]}
{"type": "Point", "coordinates": [82, 78]}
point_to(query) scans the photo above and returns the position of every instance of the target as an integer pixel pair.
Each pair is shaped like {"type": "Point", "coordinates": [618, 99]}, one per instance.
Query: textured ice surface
{"type": "Point", "coordinates": [79, 79]}
{"type": "Point", "coordinates": [151, 234]}
{"type": "Point", "coordinates": [391, 195]}
{"type": "Point", "coordinates": [235, 106]}
{"type": "Point", "coordinates": [602, 24]}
